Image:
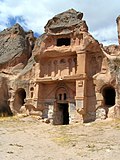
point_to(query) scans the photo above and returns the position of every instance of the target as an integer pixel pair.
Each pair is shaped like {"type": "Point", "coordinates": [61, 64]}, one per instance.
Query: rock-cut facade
{"type": "Point", "coordinates": [64, 75]}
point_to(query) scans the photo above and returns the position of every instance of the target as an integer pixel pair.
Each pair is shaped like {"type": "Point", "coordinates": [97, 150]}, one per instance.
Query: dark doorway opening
{"type": "Point", "coordinates": [65, 113]}
{"type": "Point", "coordinates": [22, 95]}
{"type": "Point", "coordinates": [63, 41]}
{"type": "Point", "coordinates": [19, 101]}
{"type": "Point", "coordinates": [109, 96]}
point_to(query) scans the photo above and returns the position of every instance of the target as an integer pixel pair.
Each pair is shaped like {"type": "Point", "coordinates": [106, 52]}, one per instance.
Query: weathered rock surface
{"type": "Point", "coordinates": [4, 98]}
{"type": "Point", "coordinates": [15, 46]}
{"type": "Point", "coordinates": [66, 22]}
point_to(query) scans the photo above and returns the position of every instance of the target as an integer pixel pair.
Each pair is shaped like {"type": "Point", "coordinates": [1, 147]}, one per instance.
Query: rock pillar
{"type": "Point", "coordinates": [36, 95]}
{"type": "Point", "coordinates": [80, 83]}
{"type": "Point", "coordinates": [118, 28]}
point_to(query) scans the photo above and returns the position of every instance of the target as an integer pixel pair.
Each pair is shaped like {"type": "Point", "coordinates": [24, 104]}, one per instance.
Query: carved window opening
{"type": "Point", "coordinates": [60, 96]}
{"type": "Point", "coordinates": [31, 90]}
{"type": "Point", "coordinates": [31, 94]}
{"type": "Point", "coordinates": [65, 96]}
{"type": "Point", "coordinates": [63, 41]}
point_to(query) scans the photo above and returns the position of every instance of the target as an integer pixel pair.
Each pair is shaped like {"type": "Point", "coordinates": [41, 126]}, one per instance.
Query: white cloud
{"type": "Point", "coordinates": [33, 12]}
{"type": "Point", "coordinates": [99, 14]}
{"type": "Point", "coordinates": [106, 35]}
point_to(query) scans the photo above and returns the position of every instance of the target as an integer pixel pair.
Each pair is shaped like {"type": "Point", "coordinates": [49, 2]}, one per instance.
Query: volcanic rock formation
{"type": "Point", "coordinates": [59, 74]}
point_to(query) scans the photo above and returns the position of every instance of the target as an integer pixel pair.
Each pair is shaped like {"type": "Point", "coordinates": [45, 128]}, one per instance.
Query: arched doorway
{"type": "Point", "coordinates": [61, 114]}
{"type": "Point", "coordinates": [19, 100]}
{"type": "Point", "coordinates": [109, 94]}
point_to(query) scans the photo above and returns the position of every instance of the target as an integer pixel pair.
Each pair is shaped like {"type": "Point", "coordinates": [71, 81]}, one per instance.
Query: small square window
{"type": "Point", "coordinates": [63, 41]}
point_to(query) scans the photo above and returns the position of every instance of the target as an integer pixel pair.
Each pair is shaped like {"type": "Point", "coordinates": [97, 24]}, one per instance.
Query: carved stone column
{"type": "Point", "coordinates": [52, 69]}
{"type": "Point", "coordinates": [36, 93]}
{"type": "Point", "coordinates": [81, 58]}
{"type": "Point", "coordinates": [73, 67]}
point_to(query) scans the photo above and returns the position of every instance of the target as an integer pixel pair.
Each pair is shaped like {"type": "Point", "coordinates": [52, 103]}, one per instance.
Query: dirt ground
{"type": "Point", "coordinates": [27, 138]}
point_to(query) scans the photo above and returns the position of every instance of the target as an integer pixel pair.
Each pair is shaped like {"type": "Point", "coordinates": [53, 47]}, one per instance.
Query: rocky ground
{"type": "Point", "coordinates": [27, 138]}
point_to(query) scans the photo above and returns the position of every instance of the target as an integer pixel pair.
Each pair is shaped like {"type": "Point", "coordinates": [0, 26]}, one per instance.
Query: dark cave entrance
{"type": "Point", "coordinates": [109, 96]}
{"type": "Point", "coordinates": [19, 101]}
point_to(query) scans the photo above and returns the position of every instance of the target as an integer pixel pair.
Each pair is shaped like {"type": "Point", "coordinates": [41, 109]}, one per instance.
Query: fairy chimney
{"type": "Point", "coordinates": [118, 28]}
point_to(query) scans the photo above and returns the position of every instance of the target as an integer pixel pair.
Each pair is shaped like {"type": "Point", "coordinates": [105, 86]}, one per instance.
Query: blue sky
{"type": "Point", "coordinates": [100, 15]}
